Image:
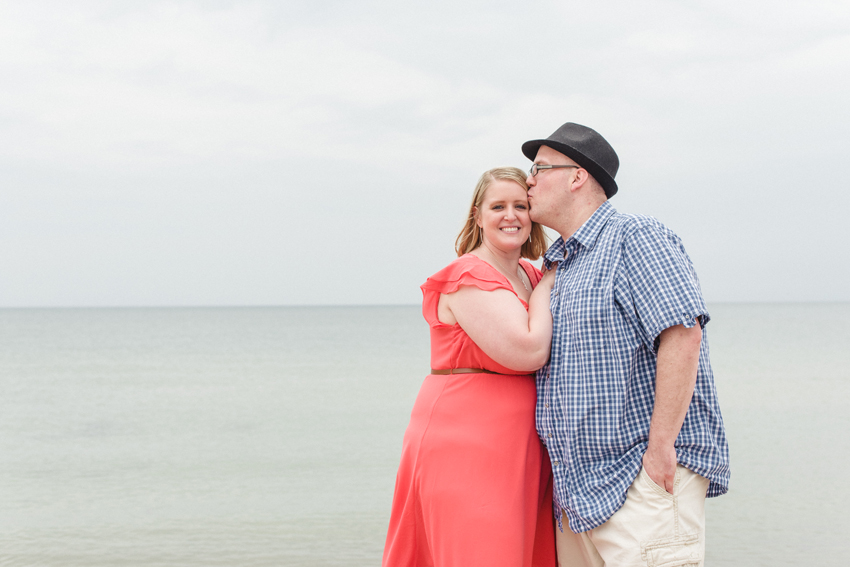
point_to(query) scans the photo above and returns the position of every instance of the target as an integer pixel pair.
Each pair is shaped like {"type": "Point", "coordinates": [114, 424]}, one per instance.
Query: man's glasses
{"type": "Point", "coordinates": [535, 169]}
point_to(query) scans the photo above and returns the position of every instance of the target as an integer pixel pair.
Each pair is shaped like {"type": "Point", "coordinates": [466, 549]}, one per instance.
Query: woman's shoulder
{"type": "Point", "coordinates": [466, 270]}
{"type": "Point", "coordinates": [534, 274]}
{"type": "Point", "coordinates": [530, 269]}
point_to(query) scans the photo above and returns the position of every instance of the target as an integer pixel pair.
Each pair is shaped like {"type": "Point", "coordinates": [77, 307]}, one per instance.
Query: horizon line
{"type": "Point", "coordinates": [357, 305]}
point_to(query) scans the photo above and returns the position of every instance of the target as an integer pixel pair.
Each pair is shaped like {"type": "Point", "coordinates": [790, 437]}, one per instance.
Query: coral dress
{"type": "Point", "coordinates": [474, 486]}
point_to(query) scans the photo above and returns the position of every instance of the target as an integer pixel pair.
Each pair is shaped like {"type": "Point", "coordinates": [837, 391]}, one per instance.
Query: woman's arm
{"type": "Point", "coordinates": [500, 325]}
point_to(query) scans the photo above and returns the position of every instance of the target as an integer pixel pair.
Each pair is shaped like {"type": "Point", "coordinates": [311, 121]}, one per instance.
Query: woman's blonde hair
{"type": "Point", "coordinates": [470, 236]}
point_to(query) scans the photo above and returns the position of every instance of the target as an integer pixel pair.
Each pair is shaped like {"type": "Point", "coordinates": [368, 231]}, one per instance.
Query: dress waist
{"type": "Point", "coordinates": [443, 371]}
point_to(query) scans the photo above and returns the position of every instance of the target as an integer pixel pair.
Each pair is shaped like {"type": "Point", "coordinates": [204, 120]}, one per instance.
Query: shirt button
{"type": "Point", "coordinates": [550, 436]}
{"type": "Point", "coordinates": [546, 406]}
{"type": "Point", "coordinates": [555, 463]}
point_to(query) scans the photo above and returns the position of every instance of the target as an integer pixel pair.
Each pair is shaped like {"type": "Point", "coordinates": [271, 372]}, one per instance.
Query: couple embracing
{"type": "Point", "coordinates": [585, 390]}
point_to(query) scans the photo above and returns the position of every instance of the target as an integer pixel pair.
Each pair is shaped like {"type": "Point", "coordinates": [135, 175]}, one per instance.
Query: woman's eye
{"type": "Point", "coordinates": [495, 207]}
{"type": "Point", "coordinates": [523, 207]}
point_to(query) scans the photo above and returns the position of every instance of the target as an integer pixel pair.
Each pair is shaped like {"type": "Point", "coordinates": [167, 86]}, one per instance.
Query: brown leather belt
{"type": "Point", "coordinates": [472, 371]}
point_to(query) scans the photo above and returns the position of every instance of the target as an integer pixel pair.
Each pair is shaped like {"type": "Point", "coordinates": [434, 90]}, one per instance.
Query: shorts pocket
{"type": "Point", "coordinates": [679, 551]}
{"type": "Point", "coordinates": [655, 487]}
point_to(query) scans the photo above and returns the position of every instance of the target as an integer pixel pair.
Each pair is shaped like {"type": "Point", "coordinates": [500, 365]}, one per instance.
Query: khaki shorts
{"type": "Point", "coordinates": [653, 528]}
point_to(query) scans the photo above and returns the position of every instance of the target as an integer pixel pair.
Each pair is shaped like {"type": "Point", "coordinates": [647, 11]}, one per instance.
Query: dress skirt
{"type": "Point", "coordinates": [474, 486]}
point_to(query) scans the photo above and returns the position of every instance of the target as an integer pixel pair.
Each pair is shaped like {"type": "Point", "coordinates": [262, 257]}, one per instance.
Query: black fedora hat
{"type": "Point", "coordinates": [584, 146]}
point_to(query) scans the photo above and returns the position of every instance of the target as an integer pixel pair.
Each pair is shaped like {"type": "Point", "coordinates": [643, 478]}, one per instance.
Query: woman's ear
{"type": "Point", "coordinates": [476, 217]}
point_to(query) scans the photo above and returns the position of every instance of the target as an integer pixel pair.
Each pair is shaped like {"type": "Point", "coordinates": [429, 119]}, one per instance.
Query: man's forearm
{"type": "Point", "coordinates": [675, 378]}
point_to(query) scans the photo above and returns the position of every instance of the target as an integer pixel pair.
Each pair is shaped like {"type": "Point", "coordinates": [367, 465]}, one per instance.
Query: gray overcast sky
{"type": "Point", "coordinates": [253, 153]}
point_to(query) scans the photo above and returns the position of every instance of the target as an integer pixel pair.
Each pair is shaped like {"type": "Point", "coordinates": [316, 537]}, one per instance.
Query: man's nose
{"type": "Point", "coordinates": [529, 180]}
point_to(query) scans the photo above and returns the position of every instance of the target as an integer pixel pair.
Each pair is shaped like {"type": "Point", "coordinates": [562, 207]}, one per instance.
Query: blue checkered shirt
{"type": "Point", "coordinates": [622, 279]}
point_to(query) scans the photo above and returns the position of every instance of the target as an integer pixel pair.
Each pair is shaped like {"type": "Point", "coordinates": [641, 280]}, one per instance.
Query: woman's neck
{"type": "Point", "coordinates": [507, 263]}
{"type": "Point", "coordinates": [507, 260]}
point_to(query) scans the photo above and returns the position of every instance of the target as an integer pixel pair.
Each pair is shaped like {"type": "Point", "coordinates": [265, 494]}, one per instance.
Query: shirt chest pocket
{"type": "Point", "coordinates": [586, 312]}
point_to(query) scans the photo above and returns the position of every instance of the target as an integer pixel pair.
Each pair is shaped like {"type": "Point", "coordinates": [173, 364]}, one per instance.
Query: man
{"type": "Point", "coordinates": [627, 406]}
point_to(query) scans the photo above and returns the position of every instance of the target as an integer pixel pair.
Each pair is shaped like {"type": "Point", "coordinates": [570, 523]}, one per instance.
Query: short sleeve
{"type": "Point", "coordinates": [662, 281]}
{"type": "Point", "coordinates": [466, 270]}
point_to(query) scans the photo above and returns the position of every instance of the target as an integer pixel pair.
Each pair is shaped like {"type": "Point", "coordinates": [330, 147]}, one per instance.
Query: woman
{"type": "Point", "coordinates": [474, 484]}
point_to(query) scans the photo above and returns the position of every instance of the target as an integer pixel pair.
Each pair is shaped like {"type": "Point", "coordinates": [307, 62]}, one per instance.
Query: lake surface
{"type": "Point", "coordinates": [270, 436]}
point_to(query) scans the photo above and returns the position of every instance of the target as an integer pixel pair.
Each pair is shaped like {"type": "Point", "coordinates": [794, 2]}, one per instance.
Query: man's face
{"type": "Point", "coordinates": [548, 191]}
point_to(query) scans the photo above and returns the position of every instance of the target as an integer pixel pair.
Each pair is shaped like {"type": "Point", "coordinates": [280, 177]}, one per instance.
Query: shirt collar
{"type": "Point", "coordinates": [586, 235]}
{"type": "Point", "coordinates": [589, 231]}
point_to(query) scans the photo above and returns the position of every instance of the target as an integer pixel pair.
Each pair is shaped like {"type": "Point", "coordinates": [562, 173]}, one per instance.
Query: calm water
{"type": "Point", "coordinates": [270, 436]}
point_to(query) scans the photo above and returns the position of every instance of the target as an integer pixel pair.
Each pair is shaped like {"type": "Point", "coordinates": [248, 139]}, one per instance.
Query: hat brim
{"type": "Point", "coordinates": [530, 149]}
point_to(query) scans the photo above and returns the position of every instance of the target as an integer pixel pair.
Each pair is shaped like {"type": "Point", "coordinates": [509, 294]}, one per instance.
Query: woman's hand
{"type": "Point", "coordinates": [548, 279]}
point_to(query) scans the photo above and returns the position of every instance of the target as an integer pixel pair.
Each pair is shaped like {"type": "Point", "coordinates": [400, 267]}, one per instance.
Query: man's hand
{"type": "Point", "coordinates": [660, 464]}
